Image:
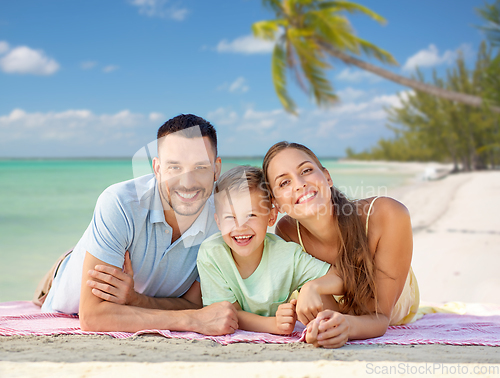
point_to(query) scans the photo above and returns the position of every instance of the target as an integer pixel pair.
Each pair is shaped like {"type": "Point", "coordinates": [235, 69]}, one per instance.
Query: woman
{"type": "Point", "coordinates": [369, 241]}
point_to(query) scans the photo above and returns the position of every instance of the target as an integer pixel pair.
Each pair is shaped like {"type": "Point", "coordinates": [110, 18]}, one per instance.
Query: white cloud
{"type": "Point", "coordinates": [349, 94]}
{"type": "Point", "coordinates": [4, 47]}
{"type": "Point", "coordinates": [430, 57]}
{"type": "Point", "coordinates": [237, 86]}
{"type": "Point", "coordinates": [155, 117]}
{"type": "Point", "coordinates": [358, 123]}
{"type": "Point", "coordinates": [110, 68]}
{"type": "Point", "coordinates": [88, 65]}
{"type": "Point", "coordinates": [75, 132]}
{"type": "Point", "coordinates": [247, 44]}
{"type": "Point", "coordinates": [161, 9]}
{"type": "Point", "coordinates": [357, 76]}
{"type": "Point", "coordinates": [24, 60]}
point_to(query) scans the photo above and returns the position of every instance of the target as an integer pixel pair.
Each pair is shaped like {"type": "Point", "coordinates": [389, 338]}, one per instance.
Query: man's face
{"type": "Point", "coordinates": [186, 169]}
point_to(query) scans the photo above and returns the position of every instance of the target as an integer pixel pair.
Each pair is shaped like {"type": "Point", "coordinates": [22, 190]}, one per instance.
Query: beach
{"type": "Point", "coordinates": [456, 257]}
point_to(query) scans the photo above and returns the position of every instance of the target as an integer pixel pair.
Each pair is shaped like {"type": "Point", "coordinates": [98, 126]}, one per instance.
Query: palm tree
{"type": "Point", "coordinates": [308, 32]}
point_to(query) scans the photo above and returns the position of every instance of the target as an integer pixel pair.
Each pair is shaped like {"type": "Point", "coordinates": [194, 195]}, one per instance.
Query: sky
{"type": "Point", "coordinates": [94, 78]}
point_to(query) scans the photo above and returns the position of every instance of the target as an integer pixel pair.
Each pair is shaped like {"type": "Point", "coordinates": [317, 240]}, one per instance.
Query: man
{"type": "Point", "coordinates": [152, 226]}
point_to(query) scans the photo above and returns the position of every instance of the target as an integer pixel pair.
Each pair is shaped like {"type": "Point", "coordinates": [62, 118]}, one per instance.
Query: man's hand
{"type": "Point", "coordinates": [216, 319]}
{"type": "Point", "coordinates": [114, 285]}
{"type": "Point", "coordinates": [309, 303]}
{"type": "Point", "coordinates": [286, 317]}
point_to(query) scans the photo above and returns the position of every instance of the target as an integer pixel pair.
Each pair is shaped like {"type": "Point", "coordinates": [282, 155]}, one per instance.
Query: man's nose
{"type": "Point", "coordinates": [187, 180]}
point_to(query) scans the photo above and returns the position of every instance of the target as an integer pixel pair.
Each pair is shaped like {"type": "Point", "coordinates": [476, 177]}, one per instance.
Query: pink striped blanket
{"type": "Point", "coordinates": [480, 326]}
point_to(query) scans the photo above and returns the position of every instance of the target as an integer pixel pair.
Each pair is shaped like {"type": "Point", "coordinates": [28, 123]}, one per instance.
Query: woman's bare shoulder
{"type": "Point", "coordinates": [287, 229]}
{"type": "Point", "coordinates": [382, 206]}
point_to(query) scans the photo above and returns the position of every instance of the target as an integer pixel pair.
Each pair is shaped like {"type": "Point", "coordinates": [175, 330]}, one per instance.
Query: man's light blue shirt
{"type": "Point", "coordinates": [129, 217]}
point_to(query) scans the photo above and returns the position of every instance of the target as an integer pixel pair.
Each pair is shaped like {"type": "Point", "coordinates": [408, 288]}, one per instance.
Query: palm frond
{"type": "Point", "coordinates": [278, 70]}
{"type": "Point", "coordinates": [267, 30]}
{"type": "Point", "coordinates": [347, 6]}
{"type": "Point", "coordinates": [371, 50]}
{"type": "Point", "coordinates": [313, 66]}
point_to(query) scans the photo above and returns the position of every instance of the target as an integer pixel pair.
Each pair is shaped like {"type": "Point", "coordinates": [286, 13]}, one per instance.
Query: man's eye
{"type": "Point", "coordinates": [173, 168]}
{"type": "Point", "coordinates": [201, 167]}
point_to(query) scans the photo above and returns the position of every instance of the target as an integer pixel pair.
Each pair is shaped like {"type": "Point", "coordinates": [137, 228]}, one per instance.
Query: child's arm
{"type": "Point", "coordinates": [282, 324]}
{"type": "Point", "coordinates": [314, 293]}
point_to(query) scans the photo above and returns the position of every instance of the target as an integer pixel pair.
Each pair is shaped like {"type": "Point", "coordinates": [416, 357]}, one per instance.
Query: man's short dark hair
{"type": "Point", "coordinates": [185, 122]}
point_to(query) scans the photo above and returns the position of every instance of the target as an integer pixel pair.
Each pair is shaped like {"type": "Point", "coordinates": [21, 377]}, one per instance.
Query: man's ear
{"type": "Point", "coordinates": [218, 166]}
{"type": "Point", "coordinates": [273, 216]}
{"type": "Point", "coordinates": [156, 167]}
{"type": "Point", "coordinates": [217, 220]}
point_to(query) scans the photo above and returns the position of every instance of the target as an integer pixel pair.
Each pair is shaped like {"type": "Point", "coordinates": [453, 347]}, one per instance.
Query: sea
{"type": "Point", "coordinates": [46, 204]}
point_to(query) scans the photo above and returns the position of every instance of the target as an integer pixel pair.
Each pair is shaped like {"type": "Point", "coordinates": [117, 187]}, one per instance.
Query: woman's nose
{"type": "Point", "coordinates": [300, 183]}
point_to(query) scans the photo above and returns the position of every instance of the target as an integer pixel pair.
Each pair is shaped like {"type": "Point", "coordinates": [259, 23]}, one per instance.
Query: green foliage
{"type": "Point", "coordinates": [429, 128]}
{"type": "Point", "coordinates": [305, 32]}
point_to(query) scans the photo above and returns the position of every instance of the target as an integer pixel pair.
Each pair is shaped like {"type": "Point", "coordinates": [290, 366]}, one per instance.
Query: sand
{"type": "Point", "coordinates": [456, 223]}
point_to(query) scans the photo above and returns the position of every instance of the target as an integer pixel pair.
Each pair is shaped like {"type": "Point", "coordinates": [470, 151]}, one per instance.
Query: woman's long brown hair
{"type": "Point", "coordinates": [354, 263]}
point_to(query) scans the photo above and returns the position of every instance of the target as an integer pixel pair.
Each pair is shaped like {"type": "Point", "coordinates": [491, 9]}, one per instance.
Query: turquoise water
{"type": "Point", "coordinates": [45, 205]}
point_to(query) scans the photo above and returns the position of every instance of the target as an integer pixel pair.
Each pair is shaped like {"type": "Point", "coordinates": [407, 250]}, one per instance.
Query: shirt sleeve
{"type": "Point", "coordinates": [110, 230]}
{"type": "Point", "coordinates": [214, 287]}
{"type": "Point", "coordinates": [307, 267]}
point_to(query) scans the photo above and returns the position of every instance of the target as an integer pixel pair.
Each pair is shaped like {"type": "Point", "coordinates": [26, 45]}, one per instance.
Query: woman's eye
{"type": "Point", "coordinates": [284, 183]}
{"type": "Point", "coordinates": [307, 170]}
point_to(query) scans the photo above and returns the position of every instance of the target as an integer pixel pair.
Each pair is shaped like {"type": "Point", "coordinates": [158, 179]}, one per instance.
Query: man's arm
{"type": "Point", "coordinates": [116, 285]}
{"type": "Point", "coordinates": [99, 315]}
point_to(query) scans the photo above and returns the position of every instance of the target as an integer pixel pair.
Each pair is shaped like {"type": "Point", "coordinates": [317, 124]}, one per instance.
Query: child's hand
{"type": "Point", "coordinates": [309, 303]}
{"type": "Point", "coordinates": [286, 317]}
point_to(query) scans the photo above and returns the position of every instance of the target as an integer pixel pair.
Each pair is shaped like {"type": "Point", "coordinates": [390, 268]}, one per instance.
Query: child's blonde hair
{"type": "Point", "coordinates": [240, 178]}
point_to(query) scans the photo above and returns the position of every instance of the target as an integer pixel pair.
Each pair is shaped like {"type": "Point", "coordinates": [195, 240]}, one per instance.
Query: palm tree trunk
{"type": "Point", "coordinates": [402, 80]}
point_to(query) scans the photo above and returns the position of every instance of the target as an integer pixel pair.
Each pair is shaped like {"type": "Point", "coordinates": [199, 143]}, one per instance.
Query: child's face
{"type": "Point", "coordinates": [243, 219]}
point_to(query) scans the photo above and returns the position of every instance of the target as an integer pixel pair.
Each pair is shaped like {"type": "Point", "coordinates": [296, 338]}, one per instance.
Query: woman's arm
{"type": "Point", "coordinates": [315, 293]}
{"type": "Point", "coordinates": [391, 242]}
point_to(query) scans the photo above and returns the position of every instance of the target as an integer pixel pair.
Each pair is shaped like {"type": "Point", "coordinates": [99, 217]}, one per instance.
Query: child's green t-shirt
{"type": "Point", "coordinates": [284, 267]}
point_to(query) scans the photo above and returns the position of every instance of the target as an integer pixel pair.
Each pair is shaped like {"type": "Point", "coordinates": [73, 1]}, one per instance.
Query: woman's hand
{"type": "Point", "coordinates": [330, 329]}
{"type": "Point", "coordinates": [309, 303]}
{"type": "Point", "coordinates": [286, 317]}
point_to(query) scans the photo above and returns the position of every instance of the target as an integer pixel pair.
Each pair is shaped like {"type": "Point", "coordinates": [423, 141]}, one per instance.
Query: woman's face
{"type": "Point", "coordinates": [300, 188]}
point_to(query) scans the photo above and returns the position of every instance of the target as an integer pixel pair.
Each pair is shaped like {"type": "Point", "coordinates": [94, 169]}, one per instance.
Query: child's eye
{"type": "Point", "coordinates": [228, 217]}
{"type": "Point", "coordinates": [251, 215]}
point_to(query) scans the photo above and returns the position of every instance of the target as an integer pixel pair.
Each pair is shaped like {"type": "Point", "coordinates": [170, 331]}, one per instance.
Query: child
{"type": "Point", "coordinates": [256, 271]}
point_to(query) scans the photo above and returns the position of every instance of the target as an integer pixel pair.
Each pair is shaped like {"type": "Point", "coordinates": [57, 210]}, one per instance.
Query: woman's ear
{"type": "Point", "coordinates": [328, 177]}
{"type": "Point", "coordinates": [275, 205]}
{"type": "Point", "coordinates": [273, 216]}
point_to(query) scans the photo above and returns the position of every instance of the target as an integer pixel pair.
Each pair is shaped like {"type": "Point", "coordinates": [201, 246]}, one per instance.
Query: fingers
{"type": "Point", "coordinates": [127, 265]}
{"type": "Point", "coordinates": [329, 319]}
{"type": "Point", "coordinates": [333, 338]}
{"type": "Point", "coordinates": [293, 302]}
{"type": "Point", "coordinates": [107, 273]}
{"type": "Point", "coordinates": [312, 333]}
